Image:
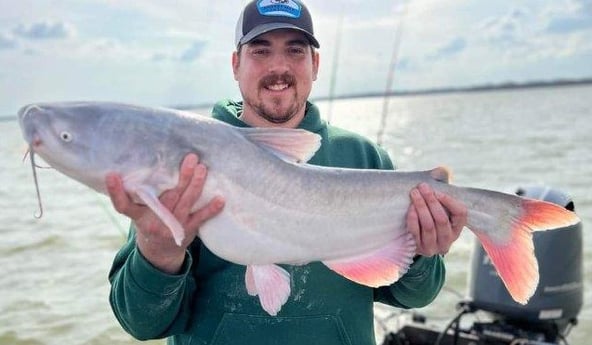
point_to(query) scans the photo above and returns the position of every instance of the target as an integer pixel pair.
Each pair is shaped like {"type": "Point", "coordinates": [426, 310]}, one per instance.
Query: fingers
{"type": "Point", "coordinates": [119, 197]}
{"type": "Point", "coordinates": [422, 202]}
{"type": "Point", "coordinates": [170, 198]}
{"type": "Point", "coordinates": [413, 223]}
{"type": "Point", "coordinates": [180, 200]}
{"type": "Point", "coordinates": [457, 210]}
{"type": "Point", "coordinates": [191, 193]}
{"type": "Point", "coordinates": [434, 219]}
{"type": "Point", "coordinates": [200, 216]}
{"type": "Point", "coordinates": [439, 216]}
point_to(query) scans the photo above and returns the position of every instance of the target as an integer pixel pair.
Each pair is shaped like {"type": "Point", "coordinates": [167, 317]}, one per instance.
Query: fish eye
{"type": "Point", "coordinates": [66, 136]}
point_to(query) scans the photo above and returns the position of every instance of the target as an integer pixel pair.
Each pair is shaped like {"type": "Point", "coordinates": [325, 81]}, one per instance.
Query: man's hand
{"type": "Point", "coordinates": [435, 220]}
{"type": "Point", "coordinates": [153, 238]}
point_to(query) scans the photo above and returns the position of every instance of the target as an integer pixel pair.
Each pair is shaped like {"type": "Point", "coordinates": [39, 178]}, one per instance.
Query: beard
{"type": "Point", "coordinates": [277, 110]}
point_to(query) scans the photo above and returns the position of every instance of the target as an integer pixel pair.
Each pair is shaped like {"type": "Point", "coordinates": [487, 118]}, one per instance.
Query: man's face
{"type": "Point", "coordinates": [275, 72]}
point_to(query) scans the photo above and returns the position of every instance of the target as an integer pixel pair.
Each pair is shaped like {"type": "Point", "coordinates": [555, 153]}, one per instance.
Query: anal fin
{"type": "Point", "coordinates": [381, 267]}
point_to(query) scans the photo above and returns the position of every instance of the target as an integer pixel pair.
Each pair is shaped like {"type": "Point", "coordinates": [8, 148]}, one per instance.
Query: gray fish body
{"type": "Point", "coordinates": [277, 210]}
{"type": "Point", "coordinates": [305, 213]}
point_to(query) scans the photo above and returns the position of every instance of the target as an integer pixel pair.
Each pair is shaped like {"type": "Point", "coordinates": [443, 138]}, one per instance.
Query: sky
{"type": "Point", "coordinates": [178, 53]}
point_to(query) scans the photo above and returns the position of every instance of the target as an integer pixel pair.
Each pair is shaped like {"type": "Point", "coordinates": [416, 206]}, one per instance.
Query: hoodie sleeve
{"type": "Point", "coordinates": [418, 287]}
{"type": "Point", "coordinates": [148, 303]}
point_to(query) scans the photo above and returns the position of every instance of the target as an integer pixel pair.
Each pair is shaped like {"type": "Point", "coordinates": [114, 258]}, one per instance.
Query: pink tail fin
{"type": "Point", "coordinates": [542, 215]}
{"type": "Point", "coordinates": [515, 262]}
{"type": "Point", "coordinates": [513, 256]}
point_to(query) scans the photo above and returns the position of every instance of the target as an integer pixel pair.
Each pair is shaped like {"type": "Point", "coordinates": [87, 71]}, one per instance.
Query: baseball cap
{"type": "Point", "coordinates": [261, 16]}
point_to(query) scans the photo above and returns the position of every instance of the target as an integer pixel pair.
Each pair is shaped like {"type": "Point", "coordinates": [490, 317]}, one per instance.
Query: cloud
{"type": "Point", "coordinates": [583, 6]}
{"type": "Point", "coordinates": [509, 29]}
{"type": "Point", "coordinates": [568, 25]}
{"type": "Point", "coordinates": [577, 16]}
{"type": "Point", "coordinates": [31, 52]}
{"type": "Point", "coordinates": [7, 42]}
{"type": "Point", "coordinates": [404, 64]}
{"type": "Point", "coordinates": [157, 57]}
{"type": "Point", "coordinates": [194, 52]}
{"type": "Point", "coordinates": [452, 47]}
{"type": "Point", "coordinates": [552, 32]}
{"type": "Point", "coordinates": [191, 54]}
{"type": "Point", "coordinates": [44, 30]}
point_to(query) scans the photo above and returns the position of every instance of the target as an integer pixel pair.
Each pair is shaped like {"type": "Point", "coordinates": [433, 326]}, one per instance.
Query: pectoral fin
{"type": "Point", "coordinates": [151, 200]}
{"type": "Point", "coordinates": [381, 267]}
{"type": "Point", "coordinates": [292, 145]}
{"type": "Point", "coordinates": [271, 283]}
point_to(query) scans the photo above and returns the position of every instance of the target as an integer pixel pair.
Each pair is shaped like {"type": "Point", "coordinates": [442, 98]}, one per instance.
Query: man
{"type": "Point", "coordinates": [193, 297]}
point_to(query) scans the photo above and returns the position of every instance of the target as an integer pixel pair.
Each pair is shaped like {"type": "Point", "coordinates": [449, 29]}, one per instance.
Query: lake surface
{"type": "Point", "coordinates": [53, 270]}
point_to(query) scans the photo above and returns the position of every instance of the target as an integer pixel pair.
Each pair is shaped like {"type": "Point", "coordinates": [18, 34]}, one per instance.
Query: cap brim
{"type": "Point", "coordinates": [264, 28]}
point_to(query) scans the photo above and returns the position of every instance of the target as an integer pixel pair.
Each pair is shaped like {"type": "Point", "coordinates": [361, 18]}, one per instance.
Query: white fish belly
{"type": "Point", "coordinates": [327, 223]}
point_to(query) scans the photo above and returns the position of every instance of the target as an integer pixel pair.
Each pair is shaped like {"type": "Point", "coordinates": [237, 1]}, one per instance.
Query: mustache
{"type": "Point", "coordinates": [272, 79]}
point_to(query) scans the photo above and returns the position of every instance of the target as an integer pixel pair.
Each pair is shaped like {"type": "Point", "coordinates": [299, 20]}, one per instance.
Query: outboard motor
{"type": "Point", "coordinates": [559, 295]}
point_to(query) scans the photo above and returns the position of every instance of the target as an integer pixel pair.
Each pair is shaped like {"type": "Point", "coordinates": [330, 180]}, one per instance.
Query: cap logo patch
{"type": "Point", "coordinates": [281, 8]}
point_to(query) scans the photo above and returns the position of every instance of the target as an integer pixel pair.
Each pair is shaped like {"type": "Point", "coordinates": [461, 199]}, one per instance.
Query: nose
{"type": "Point", "coordinates": [279, 63]}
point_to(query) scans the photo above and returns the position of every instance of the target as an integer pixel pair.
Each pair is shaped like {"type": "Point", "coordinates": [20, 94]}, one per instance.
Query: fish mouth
{"type": "Point", "coordinates": [35, 143]}
{"type": "Point", "coordinates": [28, 116]}
{"type": "Point", "coordinates": [28, 110]}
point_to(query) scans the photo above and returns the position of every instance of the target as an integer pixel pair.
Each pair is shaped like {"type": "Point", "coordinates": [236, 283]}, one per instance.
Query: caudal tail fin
{"type": "Point", "coordinates": [510, 247]}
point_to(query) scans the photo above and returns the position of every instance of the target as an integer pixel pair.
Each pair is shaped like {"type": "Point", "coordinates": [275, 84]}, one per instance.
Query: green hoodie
{"type": "Point", "coordinates": [207, 303]}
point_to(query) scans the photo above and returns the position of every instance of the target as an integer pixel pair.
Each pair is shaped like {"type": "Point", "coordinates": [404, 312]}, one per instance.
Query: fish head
{"type": "Point", "coordinates": [70, 137]}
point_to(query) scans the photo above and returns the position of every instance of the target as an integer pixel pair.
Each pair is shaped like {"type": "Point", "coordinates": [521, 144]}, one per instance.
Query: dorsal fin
{"type": "Point", "coordinates": [292, 145]}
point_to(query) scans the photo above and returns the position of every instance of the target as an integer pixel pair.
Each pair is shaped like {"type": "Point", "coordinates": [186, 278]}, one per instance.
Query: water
{"type": "Point", "coordinates": [53, 270]}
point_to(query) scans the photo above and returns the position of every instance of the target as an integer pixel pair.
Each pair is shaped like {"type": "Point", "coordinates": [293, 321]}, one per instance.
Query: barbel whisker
{"type": "Point", "coordinates": [36, 165]}
{"type": "Point", "coordinates": [31, 154]}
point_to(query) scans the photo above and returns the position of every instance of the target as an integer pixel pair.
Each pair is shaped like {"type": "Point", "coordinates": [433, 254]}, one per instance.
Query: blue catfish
{"type": "Point", "coordinates": [279, 210]}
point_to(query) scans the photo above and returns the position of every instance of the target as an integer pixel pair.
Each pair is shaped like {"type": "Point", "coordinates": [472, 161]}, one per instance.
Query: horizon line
{"type": "Point", "coordinates": [510, 85]}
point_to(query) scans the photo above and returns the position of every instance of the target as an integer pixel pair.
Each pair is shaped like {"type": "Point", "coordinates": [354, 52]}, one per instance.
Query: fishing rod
{"type": "Point", "coordinates": [391, 74]}
{"type": "Point", "coordinates": [334, 67]}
